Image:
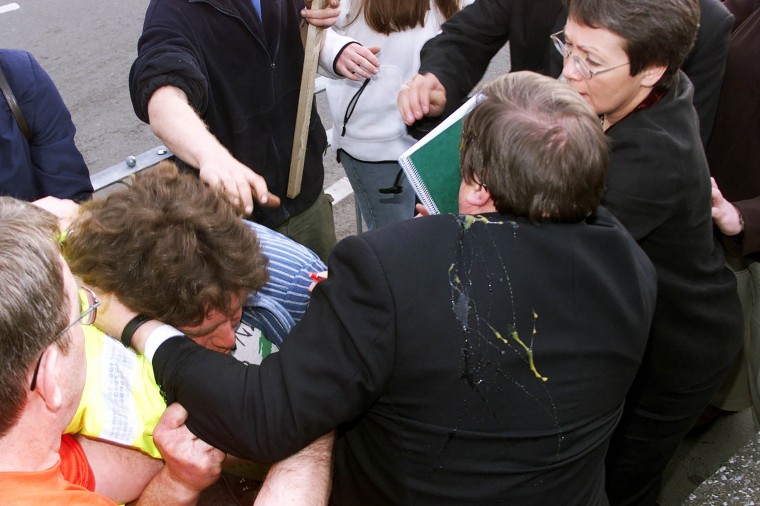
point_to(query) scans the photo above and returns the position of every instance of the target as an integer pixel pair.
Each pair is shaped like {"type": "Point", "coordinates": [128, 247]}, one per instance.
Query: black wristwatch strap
{"type": "Point", "coordinates": [129, 331]}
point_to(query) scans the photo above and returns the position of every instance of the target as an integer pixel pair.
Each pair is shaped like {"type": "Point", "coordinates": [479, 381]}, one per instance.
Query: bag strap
{"type": "Point", "coordinates": [13, 104]}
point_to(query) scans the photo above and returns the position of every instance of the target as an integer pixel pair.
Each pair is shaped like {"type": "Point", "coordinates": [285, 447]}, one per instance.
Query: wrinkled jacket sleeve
{"type": "Point", "coordinates": [167, 56]}
{"type": "Point", "coordinates": [332, 367]}
{"type": "Point", "coordinates": [460, 54]}
{"type": "Point", "coordinates": [60, 169]}
{"type": "Point", "coordinates": [749, 241]}
{"type": "Point", "coordinates": [642, 190]}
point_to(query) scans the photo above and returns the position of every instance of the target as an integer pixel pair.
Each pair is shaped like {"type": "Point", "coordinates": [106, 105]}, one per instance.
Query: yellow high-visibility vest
{"type": "Point", "coordinates": [121, 402]}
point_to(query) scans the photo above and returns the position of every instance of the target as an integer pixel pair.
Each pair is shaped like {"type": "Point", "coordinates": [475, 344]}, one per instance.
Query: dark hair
{"type": "Point", "coordinates": [656, 32]}
{"type": "Point", "coordinates": [537, 146]}
{"type": "Point", "coordinates": [169, 246]}
{"type": "Point", "coordinates": [388, 16]}
{"type": "Point", "coordinates": [35, 307]}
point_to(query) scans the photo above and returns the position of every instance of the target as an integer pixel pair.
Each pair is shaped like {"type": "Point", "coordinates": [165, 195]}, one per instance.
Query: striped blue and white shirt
{"type": "Point", "coordinates": [282, 302]}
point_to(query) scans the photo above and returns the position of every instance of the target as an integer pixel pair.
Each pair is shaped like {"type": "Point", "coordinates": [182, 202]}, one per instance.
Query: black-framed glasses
{"type": "Point", "coordinates": [582, 66]}
{"type": "Point", "coordinates": [88, 304]}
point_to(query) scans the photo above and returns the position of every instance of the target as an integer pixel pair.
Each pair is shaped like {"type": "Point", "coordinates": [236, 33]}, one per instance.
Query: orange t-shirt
{"type": "Point", "coordinates": [74, 465]}
{"type": "Point", "coordinates": [50, 486]}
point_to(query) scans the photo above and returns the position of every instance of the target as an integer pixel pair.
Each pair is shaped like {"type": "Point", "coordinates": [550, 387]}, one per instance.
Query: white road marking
{"type": "Point", "coordinates": [9, 8]}
{"type": "Point", "coordinates": [340, 190]}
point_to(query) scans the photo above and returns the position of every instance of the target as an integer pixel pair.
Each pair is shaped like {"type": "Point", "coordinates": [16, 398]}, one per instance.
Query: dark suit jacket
{"type": "Point", "coordinates": [471, 360]}
{"type": "Point", "coordinates": [706, 62]}
{"type": "Point", "coordinates": [734, 150]}
{"type": "Point", "coordinates": [658, 186]}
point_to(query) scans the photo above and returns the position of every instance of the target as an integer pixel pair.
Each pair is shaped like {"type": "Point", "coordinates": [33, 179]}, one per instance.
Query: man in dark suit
{"type": "Point", "coordinates": [453, 62]}
{"type": "Point", "coordinates": [468, 359]}
{"type": "Point", "coordinates": [734, 155]}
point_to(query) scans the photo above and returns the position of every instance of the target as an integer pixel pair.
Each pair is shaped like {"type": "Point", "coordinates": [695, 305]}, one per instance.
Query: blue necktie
{"type": "Point", "coordinates": [257, 7]}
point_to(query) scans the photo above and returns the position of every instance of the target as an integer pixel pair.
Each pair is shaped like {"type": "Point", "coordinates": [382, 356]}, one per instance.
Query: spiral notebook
{"type": "Point", "coordinates": [432, 164]}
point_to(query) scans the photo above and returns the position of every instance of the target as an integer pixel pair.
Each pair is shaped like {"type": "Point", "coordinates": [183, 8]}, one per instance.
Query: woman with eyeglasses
{"type": "Point", "coordinates": [623, 57]}
{"type": "Point", "coordinates": [375, 45]}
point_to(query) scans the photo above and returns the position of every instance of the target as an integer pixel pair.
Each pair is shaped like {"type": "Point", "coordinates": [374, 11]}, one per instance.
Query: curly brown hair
{"type": "Point", "coordinates": [168, 246]}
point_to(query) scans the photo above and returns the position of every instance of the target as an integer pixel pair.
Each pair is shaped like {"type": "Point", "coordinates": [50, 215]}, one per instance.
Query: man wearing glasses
{"type": "Point", "coordinates": [42, 372]}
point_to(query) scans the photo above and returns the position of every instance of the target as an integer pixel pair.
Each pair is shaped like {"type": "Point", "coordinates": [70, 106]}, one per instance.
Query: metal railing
{"type": "Point", "coordinates": [134, 164]}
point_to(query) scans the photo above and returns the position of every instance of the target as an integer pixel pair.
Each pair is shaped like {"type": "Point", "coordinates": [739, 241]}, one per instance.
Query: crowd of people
{"type": "Point", "coordinates": [553, 342]}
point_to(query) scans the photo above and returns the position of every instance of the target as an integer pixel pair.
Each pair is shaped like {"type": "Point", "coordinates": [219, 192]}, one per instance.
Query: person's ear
{"type": "Point", "coordinates": [478, 196]}
{"type": "Point", "coordinates": [48, 378]}
{"type": "Point", "coordinates": [652, 75]}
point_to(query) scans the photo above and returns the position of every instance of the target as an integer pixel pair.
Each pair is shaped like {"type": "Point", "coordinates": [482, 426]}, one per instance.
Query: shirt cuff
{"type": "Point", "coordinates": [157, 337]}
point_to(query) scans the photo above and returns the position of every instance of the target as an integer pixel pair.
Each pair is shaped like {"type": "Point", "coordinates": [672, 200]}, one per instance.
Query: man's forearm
{"type": "Point", "coordinates": [163, 489]}
{"type": "Point", "coordinates": [303, 478]}
{"type": "Point", "coordinates": [179, 126]}
{"type": "Point", "coordinates": [108, 462]}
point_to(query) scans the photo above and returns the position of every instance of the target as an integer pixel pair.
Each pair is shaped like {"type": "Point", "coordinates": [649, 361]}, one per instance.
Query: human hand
{"type": "Point", "coordinates": [421, 210]}
{"type": "Point", "coordinates": [112, 315]}
{"type": "Point", "coordinates": [725, 215]}
{"type": "Point", "coordinates": [239, 182]}
{"type": "Point", "coordinates": [191, 463]}
{"type": "Point", "coordinates": [324, 17]}
{"type": "Point", "coordinates": [422, 96]}
{"type": "Point", "coordinates": [65, 210]}
{"type": "Point", "coordinates": [357, 62]}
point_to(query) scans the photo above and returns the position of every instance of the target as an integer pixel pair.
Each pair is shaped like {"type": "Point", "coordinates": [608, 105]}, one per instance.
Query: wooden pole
{"type": "Point", "coordinates": [305, 99]}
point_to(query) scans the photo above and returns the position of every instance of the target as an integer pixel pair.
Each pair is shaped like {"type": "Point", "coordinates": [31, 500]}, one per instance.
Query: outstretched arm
{"type": "Point", "coordinates": [423, 96]}
{"type": "Point", "coordinates": [175, 122]}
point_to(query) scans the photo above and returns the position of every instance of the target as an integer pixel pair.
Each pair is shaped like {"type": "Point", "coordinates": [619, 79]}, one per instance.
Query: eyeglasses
{"type": "Point", "coordinates": [88, 304]}
{"type": "Point", "coordinates": [581, 65]}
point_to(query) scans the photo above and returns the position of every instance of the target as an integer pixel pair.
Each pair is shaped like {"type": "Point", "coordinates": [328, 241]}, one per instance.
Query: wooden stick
{"type": "Point", "coordinates": [305, 99]}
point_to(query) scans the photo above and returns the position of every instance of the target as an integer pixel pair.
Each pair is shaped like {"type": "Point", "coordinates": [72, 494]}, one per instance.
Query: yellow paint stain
{"type": "Point", "coordinates": [469, 219]}
{"type": "Point", "coordinates": [528, 350]}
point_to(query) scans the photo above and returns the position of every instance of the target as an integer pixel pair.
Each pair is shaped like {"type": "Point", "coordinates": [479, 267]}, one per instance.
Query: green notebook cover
{"type": "Point", "coordinates": [432, 164]}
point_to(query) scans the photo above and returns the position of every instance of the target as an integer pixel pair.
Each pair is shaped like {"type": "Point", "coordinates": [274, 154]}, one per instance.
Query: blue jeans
{"type": "Point", "coordinates": [367, 178]}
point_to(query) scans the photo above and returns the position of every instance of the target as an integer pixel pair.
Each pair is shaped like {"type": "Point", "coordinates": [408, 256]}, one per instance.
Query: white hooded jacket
{"type": "Point", "coordinates": [375, 131]}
